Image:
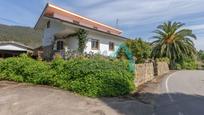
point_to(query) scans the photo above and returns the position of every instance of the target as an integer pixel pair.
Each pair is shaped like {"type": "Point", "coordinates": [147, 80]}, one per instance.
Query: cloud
{"type": "Point", "coordinates": [196, 27]}
{"type": "Point", "coordinates": [137, 18]}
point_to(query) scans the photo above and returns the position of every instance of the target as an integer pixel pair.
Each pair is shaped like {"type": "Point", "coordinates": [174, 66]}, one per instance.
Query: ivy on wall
{"type": "Point", "coordinates": [82, 36]}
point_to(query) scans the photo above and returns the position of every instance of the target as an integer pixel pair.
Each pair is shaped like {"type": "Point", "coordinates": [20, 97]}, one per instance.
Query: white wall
{"type": "Point", "coordinates": [72, 43]}
{"type": "Point", "coordinates": [49, 33]}
{"type": "Point", "coordinates": [104, 43]}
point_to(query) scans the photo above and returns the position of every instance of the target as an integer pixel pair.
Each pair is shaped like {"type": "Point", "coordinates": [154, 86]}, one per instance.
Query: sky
{"type": "Point", "coordinates": [136, 18]}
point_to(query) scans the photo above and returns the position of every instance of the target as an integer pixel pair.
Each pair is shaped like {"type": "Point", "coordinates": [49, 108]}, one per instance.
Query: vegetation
{"type": "Point", "coordinates": [173, 42]}
{"type": "Point", "coordinates": [81, 34]}
{"type": "Point", "coordinates": [90, 77]}
{"type": "Point", "coordinates": [24, 35]}
{"type": "Point", "coordinates": [201, 55]}
{"type": "Point", "coordinates": [187, 63]}
{"type": "Point", "coordinates": [140, 49]}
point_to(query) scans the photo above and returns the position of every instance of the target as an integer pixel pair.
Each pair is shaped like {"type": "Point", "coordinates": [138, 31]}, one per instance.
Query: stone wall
{"type": "Point", "coordinates": [144, 73]}
{"type": "Point", "coordinates": [161, 68]}
{"type": "Point", "coordinates": [149, 71]}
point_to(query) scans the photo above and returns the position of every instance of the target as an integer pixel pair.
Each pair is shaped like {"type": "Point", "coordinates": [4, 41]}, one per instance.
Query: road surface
{"type": "Point", "coordinates": [25, 99]}
{"type": "Point", "coordinates": [182, 93]}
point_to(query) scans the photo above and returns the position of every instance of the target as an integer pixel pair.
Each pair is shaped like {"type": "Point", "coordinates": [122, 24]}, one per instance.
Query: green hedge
{"type": "Point", "coordinates": [24, 69]}
{"type": "Point", "coordinates": [187, 63]}
{"type": "Point", "coordinates": [90, 77]}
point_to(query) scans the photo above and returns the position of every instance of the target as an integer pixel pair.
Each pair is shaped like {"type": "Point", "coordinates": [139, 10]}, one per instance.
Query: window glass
{"type": "Point", "coordinates": [48, 24]}
{"type": "Point", "coordinates": [95, 44]}
{"type": "Point", "coordinates": [111, 46]}
{"type": "Point", "coordinates": [60, 45]}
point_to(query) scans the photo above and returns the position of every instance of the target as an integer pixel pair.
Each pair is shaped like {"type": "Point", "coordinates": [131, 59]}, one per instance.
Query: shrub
{"type": "Point", "coordinates": [25, 69]}
{"type": "Point", "coordinates": [94, 77]}
{"type": "Point", "coordinates": [138, 48]}
{"type": "Point", "coordinates": [188, 63]}
{"type": "Point", "coordinates": [178, 67]}
{"type": "Point", "coordinates": [90, 77]}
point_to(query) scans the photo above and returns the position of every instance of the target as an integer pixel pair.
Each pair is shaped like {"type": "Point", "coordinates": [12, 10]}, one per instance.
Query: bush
{"type": "Point", "coordinates": [188, 63]}
{"type": "Point", "coordinates": [90, 77]}
{"type": "Point", "coordinates": [178, 67]}
{"type": "Point", "coordinates": [94, 77]}
{"type": "Point", "coordinates": [140, 49]}
{"type": "Point", "coordinates": [25, 69]}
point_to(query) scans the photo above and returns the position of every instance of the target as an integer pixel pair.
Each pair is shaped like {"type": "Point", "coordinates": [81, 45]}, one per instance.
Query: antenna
{"type": "Point", "coordinates": [117, 23]}
{"type": "Point", "coordinates": [47, 1]}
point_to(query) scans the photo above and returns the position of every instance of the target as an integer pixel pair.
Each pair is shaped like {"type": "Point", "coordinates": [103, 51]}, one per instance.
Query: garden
{"type": "Point", "coordinates": [93, 77]}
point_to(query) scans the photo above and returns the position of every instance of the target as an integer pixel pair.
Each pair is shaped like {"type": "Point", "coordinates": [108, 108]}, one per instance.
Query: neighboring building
{"type": "Point", "coordinates": [11, 48]}
{"type": "Point", "coordinates": [57, 23]}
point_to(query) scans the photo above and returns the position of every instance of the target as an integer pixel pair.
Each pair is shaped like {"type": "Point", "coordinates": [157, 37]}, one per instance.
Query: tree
{"type": "Point", "coordinates": [139, 49]}
{"type": "Point", "coordinates": [174, 42]}
{"type": "Point", "coordinates": [201, 55]}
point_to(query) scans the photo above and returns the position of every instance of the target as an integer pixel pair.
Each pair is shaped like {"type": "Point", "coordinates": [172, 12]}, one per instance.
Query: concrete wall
{"type": "Point", "coordinates": [149, 71]}
{"type": "Point", "coordinates": [72, 43]}
{"type": "Point", "coordinates": [104, 43]}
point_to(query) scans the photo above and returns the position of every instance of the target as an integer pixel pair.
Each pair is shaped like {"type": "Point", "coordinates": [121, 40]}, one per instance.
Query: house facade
{"type": "Point", "coordinates": [57, 24]}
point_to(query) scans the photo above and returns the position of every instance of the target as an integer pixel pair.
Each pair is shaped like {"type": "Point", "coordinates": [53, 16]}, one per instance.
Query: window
{"type": "Point", "coordinates": [48, 24]}
{"type": "Point", "coordinates": [76, 22]}
{"type": "Point", "coordinates": [94, 44]}
{"type": "Point", "coordinates": [60, 45]}
{"type": "Point", "coordinates": [111, 46]}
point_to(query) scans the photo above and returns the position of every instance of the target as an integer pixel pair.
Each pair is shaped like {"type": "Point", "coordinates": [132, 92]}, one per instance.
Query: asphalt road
{"type": "Point", "coordinates": [27, 99]}
{"type": "Point", "coordinates": [182, 93]}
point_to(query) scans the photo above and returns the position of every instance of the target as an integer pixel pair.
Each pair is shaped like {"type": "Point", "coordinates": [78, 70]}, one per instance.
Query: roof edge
{"type": "Point", "coordinates": [122, 37]}
{"type": "Point", "coordinates": [16, 43]}
{"type": "Point", "coordinates": [43, 12]}
{"type": "Point", "coordinates": [66, 11]}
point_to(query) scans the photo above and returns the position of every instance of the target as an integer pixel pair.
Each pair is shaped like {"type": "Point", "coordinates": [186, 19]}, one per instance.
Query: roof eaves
{"type": "Point", "coordinates": [35, 27]}
{"type": "Point", "coordinates": [88, 28]}
{"type": "Point", "coordinates": [16, 43]}
{"type": "Point", "coordinates": [66, 11]}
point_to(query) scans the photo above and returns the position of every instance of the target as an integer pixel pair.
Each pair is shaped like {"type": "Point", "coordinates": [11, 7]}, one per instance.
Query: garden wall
{"type": "Point", "coordinates": [144, 73]}
{"type": "Point", "coordinates": [161, 68]}
{"type": "Point", "coordinates": [149, 71]}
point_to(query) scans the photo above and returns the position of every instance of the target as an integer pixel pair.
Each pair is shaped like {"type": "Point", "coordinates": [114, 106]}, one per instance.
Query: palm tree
{"type": "Point", "coordinates": [173, 41]}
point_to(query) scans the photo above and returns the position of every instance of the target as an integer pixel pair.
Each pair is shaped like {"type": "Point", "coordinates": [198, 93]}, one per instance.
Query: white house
{"type": "Point", "coordinates": [58, 23]}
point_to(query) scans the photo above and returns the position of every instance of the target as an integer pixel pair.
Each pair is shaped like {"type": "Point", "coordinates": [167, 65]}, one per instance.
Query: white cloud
{"type": "Point", "coordinates": [196, 27]}
{"type": "Point", "coordinates": [140, 17]}
{"type": "Point", "coordinates": [141, 12]}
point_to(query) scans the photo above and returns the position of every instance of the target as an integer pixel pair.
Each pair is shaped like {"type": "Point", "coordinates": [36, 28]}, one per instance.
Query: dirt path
{"type": "Point", "coordinates": [24, 99]}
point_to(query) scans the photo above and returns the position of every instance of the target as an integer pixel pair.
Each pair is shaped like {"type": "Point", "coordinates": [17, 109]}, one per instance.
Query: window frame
{"type": "Point", "coordinates": [60, 46]}
{"type": "Point", "coordinates": [97, 44]}
{"type": "Point", "coordinates": [111, 48]}
{"type": "Point", "coordinates": [48, 24]}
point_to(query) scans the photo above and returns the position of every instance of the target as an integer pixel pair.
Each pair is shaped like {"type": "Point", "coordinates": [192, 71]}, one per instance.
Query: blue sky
{"type": "Point", "coordinates": [137, 18]}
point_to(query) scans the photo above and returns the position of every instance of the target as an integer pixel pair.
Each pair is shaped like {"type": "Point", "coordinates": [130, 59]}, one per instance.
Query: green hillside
{"type": "Point", "coordinates": [25, 35]}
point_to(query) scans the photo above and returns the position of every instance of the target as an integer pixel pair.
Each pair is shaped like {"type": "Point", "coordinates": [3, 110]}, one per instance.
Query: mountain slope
{"type": "Point", "coordinates": [25, 35]}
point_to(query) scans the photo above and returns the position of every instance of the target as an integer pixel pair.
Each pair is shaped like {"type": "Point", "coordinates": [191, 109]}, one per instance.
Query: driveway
{"type": "Point", "coordinates": [182, 93]}
{"type": "Point", "coordinates": [24, 99]}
